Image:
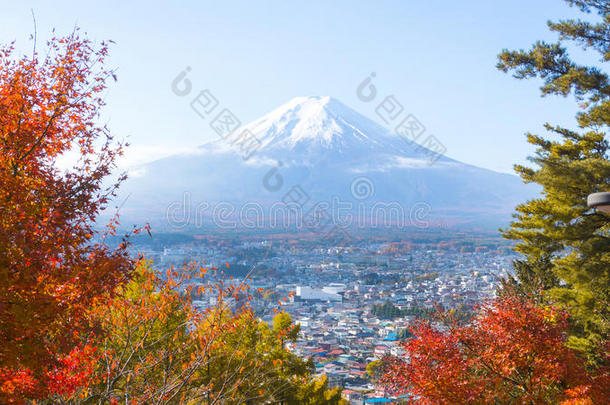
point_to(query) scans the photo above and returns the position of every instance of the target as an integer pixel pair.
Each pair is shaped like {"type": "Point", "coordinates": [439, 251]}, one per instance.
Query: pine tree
{"type": "Point", "coordinates": [566, 245]}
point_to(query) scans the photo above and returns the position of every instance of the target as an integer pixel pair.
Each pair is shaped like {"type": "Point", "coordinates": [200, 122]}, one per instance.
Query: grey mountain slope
{"type": "Point", "coordinates": [323, 146]}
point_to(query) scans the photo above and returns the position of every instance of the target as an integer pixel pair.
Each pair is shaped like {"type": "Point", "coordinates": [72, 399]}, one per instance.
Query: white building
{"type": "Point", "coordinates": [308, 293]}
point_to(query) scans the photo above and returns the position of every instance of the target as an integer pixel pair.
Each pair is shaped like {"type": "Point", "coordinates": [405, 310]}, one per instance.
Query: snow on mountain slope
{"type": "Point", "coordinates": [323, 146]}
{"type": "Point", "coordinates": [308, 130]}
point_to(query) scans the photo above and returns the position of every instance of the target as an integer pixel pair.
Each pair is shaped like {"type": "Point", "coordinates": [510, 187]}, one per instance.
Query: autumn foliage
{"type": "Point", "coordinates": [513, 352]}
{"type": "Point", "coordinates": [82, 322]}
{"type": "Point", "coordinates": [152, 350]}
{"type": "Point", "coordinates": [70, 374]}
{"type": "Point", "coordinates": [157, 348]}
{"type": "Point", "coordinates": [53, 266]}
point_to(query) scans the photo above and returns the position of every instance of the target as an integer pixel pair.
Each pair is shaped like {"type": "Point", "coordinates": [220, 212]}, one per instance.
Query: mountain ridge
{"type": "Point", "coordinates": [323, 146]}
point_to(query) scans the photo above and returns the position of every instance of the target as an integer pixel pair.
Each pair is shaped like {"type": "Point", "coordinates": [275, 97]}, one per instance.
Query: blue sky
{"type": "Point", "coordinates": [436, 57]}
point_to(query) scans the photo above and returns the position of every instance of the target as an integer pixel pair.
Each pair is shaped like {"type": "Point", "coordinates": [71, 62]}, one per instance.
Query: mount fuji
{"type": "Point", "coordinates": [319, 149]}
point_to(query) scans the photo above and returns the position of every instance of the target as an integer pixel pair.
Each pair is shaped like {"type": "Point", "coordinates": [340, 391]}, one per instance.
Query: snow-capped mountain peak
{"type": "Point", "coordinates": [306, 130]}
{"type": "Point", "coordinates": [324, 147]}
{"type": "Point", "coordinates": [322, 120]}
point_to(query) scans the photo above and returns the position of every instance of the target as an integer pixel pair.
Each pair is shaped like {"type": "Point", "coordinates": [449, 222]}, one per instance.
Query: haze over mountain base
{"type": "Point", "coordinates": [314, 158]}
